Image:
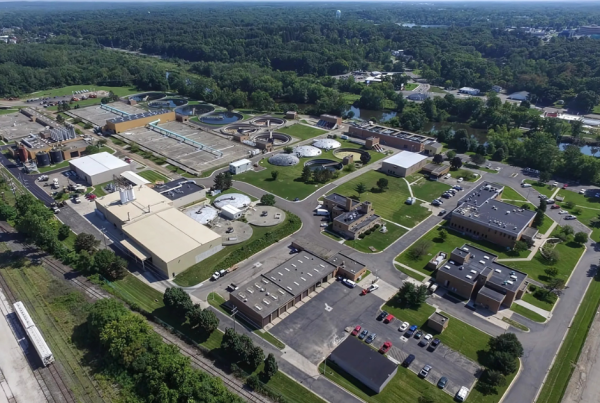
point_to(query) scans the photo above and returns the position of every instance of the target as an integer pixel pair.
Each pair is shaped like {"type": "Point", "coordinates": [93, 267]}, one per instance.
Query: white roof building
{"type": "Point", "coordinates": [240, 163]}
{"type": "Point", "coordinates": [98, 168]}
{"type": "Point", "coordinates": [134, 178]}
{"type": "Point", "coordinates": [405, 159]}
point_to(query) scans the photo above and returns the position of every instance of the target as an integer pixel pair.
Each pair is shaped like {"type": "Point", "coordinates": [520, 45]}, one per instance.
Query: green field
{"type": "Point", "coordinates": [302, 132]}
{"type": "Point", "coordinates": [63, 91]}
{"type": "Point", "coordinates": [410, 273]}
{"type": "Point", "coordinates": [454, 240]}
{"type": "Point", "coordinates": [528, 313]}
{"type": "Point", "coordinates": [133, 290]}
{"type": "Point", "coordinates": [350, 98]}
{"type": "Point", "coordinates": [543, 189]}
{"type": "Point", "coordinates": [288, 184]}
{"type": "Point", "coordinates": [428, 190]}
{"type": "Point", "coordinates": [509, 194]}
{"type": "Point", "coordinates": [153, 176]}
{"type": "Point", "coordinates": [389, 204]}
{"type": "Point", "coordinates": [590, 207]}
{"type": "Point", "coordinates": [99, 189]}
{"type": "Point", "coordinates": [377, 240]}
{"type": "Point", "coordinates": [436, 90]}
{"type": "Point", "coordinates": [8, 111]}
{"type": "Point", "coordinates": [410, 86]}
{"type": "Point", "coordinates": [466, 174]}
{"type": "Point", "coordinates": [528, 297]}
{"type": "Point", "coordinates": [560, 373]}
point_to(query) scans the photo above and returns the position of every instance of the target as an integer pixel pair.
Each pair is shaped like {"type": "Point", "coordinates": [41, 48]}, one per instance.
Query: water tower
{"type": "Point", "coordinates": [338, 14]}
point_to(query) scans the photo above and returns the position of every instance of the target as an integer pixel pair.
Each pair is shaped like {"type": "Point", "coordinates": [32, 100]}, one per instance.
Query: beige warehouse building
{"type": "Point", "coordinates": [403, 164]}
{"type": "Point", "coordinates": [158, 233]}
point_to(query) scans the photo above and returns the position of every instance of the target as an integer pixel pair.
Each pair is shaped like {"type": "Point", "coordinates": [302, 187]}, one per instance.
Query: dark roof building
{"type": "Point", "coordinates": [181, 191]}
{"type": "Point", "coordinates": [348, 267]}
{"type": "Point", "coordinates": [371, 368]}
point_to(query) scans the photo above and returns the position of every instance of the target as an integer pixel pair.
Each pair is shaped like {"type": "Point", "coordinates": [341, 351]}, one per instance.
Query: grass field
{"type": "Point", "coordinates": [350, 98]}
{"type": "Point", "coordinates": [410, 86]}
{"type": "Point", "coordinates": [153, 176]}
{"type": "Point", "coordinates": [428, 190]}
{"type": "Point", "coordinates": [377, 240]}
{"type": "Point", "coordinates": [288, 184]}
{"type": "Point", "coordinates": [436, 90]}
{"type": "Point", "coordinates": [528, 297]}
{"type": "Point", "coordinates": [8, 111]}
{"type": "Point", "coordinates": [560, 373]}
{"type": "Point", "coordinates": [99, 189]}
{"type": "Point", "coordinates": [389, 204]}
{"type": "Point", "coordinates": [302, 132]}
{"type": "Point", "coordinates": [590, 207]}
{"type": "Point", "coordinates": [480, 168]}
{"type": "Point", "coordinates": [543, 189]}
{"type": "Point", "coordinates": [454, 240]}
{"type": "Point", "coordinates": [136, 291]}
{"type": "Point", "coordinates": [63, 91]}
{"type": "Point", "coordinates": [410, 273]}
{"type": "Point", "coordinates": [528, 313]}
{"type": "Point", "coordinates": [466, 174]}
{"type": "Point", "coordinates": [509, 194]}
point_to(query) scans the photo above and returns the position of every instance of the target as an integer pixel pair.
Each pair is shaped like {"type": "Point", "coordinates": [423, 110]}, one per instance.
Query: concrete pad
{"type": "Point", "coordinates": [15, 126]}
{"type": "Point", "coordinates": [98, 116]}
{"type": "Point", "coordinates": [272, 217]}
{"type": "Point", "coordinates": [240, 231]}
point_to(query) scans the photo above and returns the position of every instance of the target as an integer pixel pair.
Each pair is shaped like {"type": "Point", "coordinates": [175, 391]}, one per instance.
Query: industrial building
{"type": "Point", "coordinates": [469, 91]}
{"type": "Point", "coordinates": [350, 217]}
{"type": "Point", "coordinates": [403, 164]}
{"type": "Point", "coordinates": [402, 140]}
{"type": "Point", "coordinates": [589, 30]}
{"type": "Point", "coordinates": [348, 267]}
{"type": "Point", "coordinates": [482, 215]}
{"type": "Point", "coordinates": [519, 96]}
{"type": "Point", "coordinates": [156, 232]}
{"type": "Point", "coordinates": [182, 192]}
{"type": "Point", "coordinates": [126, 121]}
{"type": "Point", "coordinates": [436, 170]}
{"type": "Point", "coordinates": [98, 168]}
{"type": "Point", "coordinates": [372, 369]}
{"type": "Point", "coordinates": [231, 213]}
{"type": "Point", "coordinates": [329, 122]}
{"type": "Point", "coordinates": [134, 179]}
{"type": "Point", "coordinates": [241, 166]}
{"type": "Point", "coordinates": [472, 272]}
{"type": "Point", "coordinates": [263, 299]}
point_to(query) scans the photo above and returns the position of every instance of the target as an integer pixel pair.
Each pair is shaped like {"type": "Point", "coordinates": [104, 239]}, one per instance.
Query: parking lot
{"type": "Point", "coordinates": [316, 328]}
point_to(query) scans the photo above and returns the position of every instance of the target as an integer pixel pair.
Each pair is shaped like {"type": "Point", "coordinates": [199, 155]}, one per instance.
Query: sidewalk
{"type": "Point", "coordinates": [538, 243]}
{"type": "Point", "coordinates": [534, 308]}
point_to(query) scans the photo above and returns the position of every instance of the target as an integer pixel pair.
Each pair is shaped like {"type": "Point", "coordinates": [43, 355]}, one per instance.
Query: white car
{"type": "Point", "coordinates": [324, 224]}
{"type": "Point", "coordinates": [404, 326]}
{"type": "Point", "coordinates": [460, 180]}
{"type": "Point", "coordinates": [570, 217]}
{"type": "Point", "coordinates": [425, 340]}
{"type": "Point", "coordinates": [582, 192]}
{"type": "Point", "coordinates": [563, 212]}
{"type": "Point", "coordinates": [372, 288]}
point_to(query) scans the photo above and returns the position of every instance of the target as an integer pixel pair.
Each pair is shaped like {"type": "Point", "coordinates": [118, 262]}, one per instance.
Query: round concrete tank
{"type": "Point", "coordinates": [43, 159]}
{"type": "Point", "coordinates": [56, 156]}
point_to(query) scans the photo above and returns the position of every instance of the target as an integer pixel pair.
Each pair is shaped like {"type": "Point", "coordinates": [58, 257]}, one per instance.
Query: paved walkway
{"type": "Point", "coordinates": [546, 314]}
{"type": "Point", "coordinates": [409, 188]}
{"type": "Point", "coordinates": [538, 243]}
{"type": "Point", "coordinates": [411, 269]}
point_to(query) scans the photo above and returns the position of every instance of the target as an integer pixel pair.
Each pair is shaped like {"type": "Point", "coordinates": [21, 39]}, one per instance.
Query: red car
{"type": "Point", "coordinates": [386, 347]}
{"type": "Point", "coordinates": [555, 206]}
{"type": "Point", "coordinates": [388, 318]}
{"type": "Point", "coordinates": [565, 186]}
{"type": "Point", "coordinates": [356, 330]}
{"type": "Point", "coordinates": [92, 196]}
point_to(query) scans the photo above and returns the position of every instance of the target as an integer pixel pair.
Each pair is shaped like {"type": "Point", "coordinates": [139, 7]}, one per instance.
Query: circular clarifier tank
{"type": "Point", "coordinates": [237, 200]}
{"type": "Point", "coordinates": [344, 152]}
{"type": "Point", "coordinates": [194, 110]}
{"type": "Point", "coordinates": [323, 164]}
{"type": "Point", "coordinates": [326, 144]}
{"type": "Point", "coordinates": [239, 130]}
{"type": "Point", "coordinates": [268, 121]}
{"type": "Point", "coordinates": [167, 103]}
{"type": "Point", "coordinates": [279, 139]}
{"type": "Point", "coordinates": [284, 160]}
{"type": "Point", "coordinates": [221, 118]}
{"type": "Point", "coordinates": [147, 96]}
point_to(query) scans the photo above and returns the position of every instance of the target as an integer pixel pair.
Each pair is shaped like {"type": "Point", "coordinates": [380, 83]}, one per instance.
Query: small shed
{"type": "Point", "coordinates": [438, 322]}
{"type": "Point", "coordinates": [436, 170]}
{"type": "Point", "coordinates": [291, 115]}
{"type": "Point", "coordinates": [238, 167]}
{"type": "Point", "coordinates": [230, 212]}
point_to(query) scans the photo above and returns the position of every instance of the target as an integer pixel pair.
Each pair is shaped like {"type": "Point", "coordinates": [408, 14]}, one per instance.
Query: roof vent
{"type": "Point", "coordinates": [498, 271]}
{"type": "Point", "coordinates": [469, 276]}
{"type": "Point", "coordinates": [486, 257]}
{"type": "Point", "coordinates": [474, 271]}
{"type": "Point", "coordinates": [509, 282]}
{"type": "Point", "coordinates": [482, 261]}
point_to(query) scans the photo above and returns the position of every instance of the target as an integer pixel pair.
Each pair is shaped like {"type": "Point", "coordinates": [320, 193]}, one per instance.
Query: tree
{"type": "Point", "coordinates": [556, 286]}
{"type": "Point", "coordinates": [550, 254]}
{"type": "Point", "coordinates": [410, 295]}
{"type": "Point", "coordinates": [360, 188]}
{"type": "Point", "coordinates": [204, 319]}
{"type": "Point", "coordinates": [545, 176]}
{"type": "Point", "coordinates": [481, 150]}
{"type": "Point", "coordinates": [267, 199]}
{"type": "Point", "coordinates": [567, 230]}
{"type": "Point", "coordinates": [443, 234]}
{"type": "Point", "coordinates": [506, 343]}
{"type": "Point", "coordinates": [382, 184]}
{"type": "Point", "coordinates": [551, 271]}
{"type": "Point", "coordinates": [177, 301]}
{"type": "Point", "coordinates": [365, 158]}
{"type": "Point", "coordinates": [456, 162]}
{"type": "Point", "coordinates": [274, 174]}
{"type": "Point", "coordinates": [438, 159]}
{"type": "Point", "coordinates": [419, 249]}
{"type": "Point", "coordinates": [63, 232]}
{"type": "Point", "coordinates": [581, 238]}
{"type": "Point", "coordinates": [504, 362]}
{"type": "Point", "coordinates": [499, 155]}
{"type": "Point", "coordinates": [520, 246]}
{"type": "Point", "coordinates": [450, 154]}
{"type": "Point", "coordinates": [477, 159]}
{"type": "Point", "coordinates": [271, 366]}
{"type": "Point", "coordinates": [91, 149]}
{"type": "Point", "coordinates": [220, 181]}
{"type": "Point", "coordinates": [101, 313]}
{"type": "Point", "coordinates": [543, 205]}
{"type": "Point", "coordinates": [86, 242]}
{"type": "Point", "coordinates": [538, 220]}
{"type": "Point", "coordinates": [494, 378]}
{"type": "Point", "coordinates": [306, 173]}
{"type": "Point", "coordinates": [227, 180]}
{"type": "Point", "coordinates": [288, 149]}
{"type": "Point", "coordinates": [109, 265]}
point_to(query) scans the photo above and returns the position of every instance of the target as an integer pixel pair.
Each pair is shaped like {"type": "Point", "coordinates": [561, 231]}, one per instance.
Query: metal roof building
{"type": "Point", "coordinates": [98, 168]}
{"type": "Point", "coordinates": [404, 163]}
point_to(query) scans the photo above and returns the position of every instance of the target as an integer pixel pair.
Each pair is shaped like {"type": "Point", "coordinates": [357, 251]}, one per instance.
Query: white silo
{"type": "Point", "coordinates": [338, 14]}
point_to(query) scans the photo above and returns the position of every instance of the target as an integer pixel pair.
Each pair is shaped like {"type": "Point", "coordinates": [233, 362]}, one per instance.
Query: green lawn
{"type": "Point", "coordinates": [377, 240]}
{"type": "Point", "coordinates": [261, 238]}
{"type": "Point", "coordinates": [509, 194]}
{"type": "Point", "coordinates": [8, 111]}
{"type": "Point", "coordinates": [153, 176]}
{"type": "Point", "coordinates": [99, 189]}
{"type": "Point", "coordinates": [350, 98]}
{"type": "Point", "coordinates": [436, 89]}
{"type": "Point", "coordinates": [301, 132]}
{"type": "Point", "coordinates": [466, 174]}
{"type": "Point", "coordinates": [405, 387]}
{"type": "Point", "coordinates": [105, 149]}
{"type": "Point", "coordinates": [590, 207]}
{"type": "Point", "coordinates": [543, 189]}
{"type": "Point", "coordinates": [560, 373]}
{"type": "Point", "coordinates": [121, 91]}
{"type": "Point", "coordinates": [331, 234]}
{"type": "Point", "coordinates": [454, 240]}
{"type": "Point", "coordinates": [529, 297]}
{"type": "Point", "coordinates": [389, 204]}
{"type": "Point", "coordinates": [528, 313]}
{"type": "Point", "coordinates": [428, 190]}
{"type": "Point", "coordinates": [410, 86]}
{"type": "Point", "coordinates": [136, 291]}
{"type": "Point", "coordinates": [53, 167]}
{"type": "Point", "coordinates": [480, 168]}
{"type": "Point", "coordinates": [410, 273]}
{"type": "Point", "coordinates": [288, 184]}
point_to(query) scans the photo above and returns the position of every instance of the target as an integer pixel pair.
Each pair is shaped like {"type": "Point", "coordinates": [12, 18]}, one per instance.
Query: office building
{"type": "Point", "coordinates": [402, 140]}
{"type": "Point", "coordinates": [350, 217]}
{"type": "Point", "coordinates": [403, 164]}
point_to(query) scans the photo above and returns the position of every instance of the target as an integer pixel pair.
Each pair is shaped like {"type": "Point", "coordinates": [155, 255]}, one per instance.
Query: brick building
{"type": "Point", "coordinates": [350, 217]}
{"type": "Point", "coordinates": [402, 140]}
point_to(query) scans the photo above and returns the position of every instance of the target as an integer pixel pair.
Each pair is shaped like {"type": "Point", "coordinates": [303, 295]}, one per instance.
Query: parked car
{"type": "Point", "coordinates": [554, 206]}
{"type": "Point", "coordinates": [386, 347]}
{"type": "Point", "coordinates": [388, 318]}
{"type": "Point", "coordinates": [363, 334]}
{"type": "Point", "coordinates": [442, 212]}
{"type": "Point", "coordinates": [356, 330]}
{"type": "Point", "coordinates": [582, 192]}
{"type": "Point", "coordinates": [461, 395]}
{"type": "Point", "coordinates": [442, 382]}
{"type": "Point", "coordinates": [563, 212]}
{"type": "Point", "coordinates": [425, 371]}
{"type": "Point", "coordinates": [457, 187]}
{"type": "Point", "coordinates": [404, 326]}
{"type": "Point", "coordinates": [434, 344]}
{"type": "Point", "coordinates": [435, 203]}
{"type": "Point", "coordinates": [570, 217]}
{"type": "Point", "coordinates": [411, 331]}
{"type": "Point", "coordinates": [418, 334]}
{"type": "Point", "coordinates": [425, 340]}
{"type": "Point", "coordinates": [349, 283]}
{"type": "Point", "coordinates": [382, 315]}
{"type": "Point", "coordinates": [408, 360]}
{"type": "Point", "coordinates": [371, 338]}
{"type": "Point", "coordinates": [460, 180]}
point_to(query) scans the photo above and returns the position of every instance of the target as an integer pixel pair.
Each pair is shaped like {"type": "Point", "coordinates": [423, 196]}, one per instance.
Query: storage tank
{"type": "Point", "coordinates": [43, 159]}
{"type": "Point", "coordinates": [56, 156]}
{"type": "Point", "coordinates": [23, 154]}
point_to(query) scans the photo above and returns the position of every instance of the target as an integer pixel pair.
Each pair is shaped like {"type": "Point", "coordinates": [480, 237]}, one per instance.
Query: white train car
{"type": "Point", "coordinates": [36, 338]}
{"type": "Point", "coordinates": [40, 345]}
{"type": "Point", "coordinates": [23, 315]}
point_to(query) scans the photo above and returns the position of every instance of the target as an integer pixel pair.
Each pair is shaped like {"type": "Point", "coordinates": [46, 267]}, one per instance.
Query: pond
{"type": "Point", "coordinates": [587, 150]}
{"type": "Point", "coordinates": [221, 118]}
{"type": "Point", "coordinates": [167, 103]}
{"type": "Point", "coordinates": [480, 134]}
{"type": "Point", "coordinates": [365, 114]}
{"type": "Point", "coordinates": [190, 110]}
